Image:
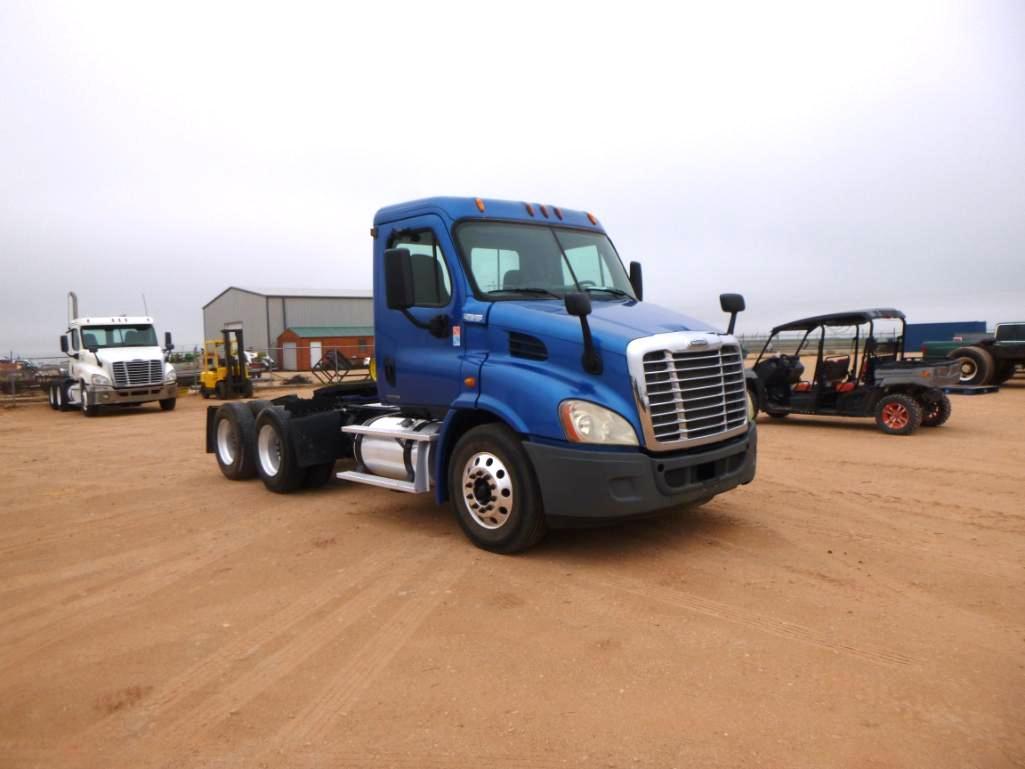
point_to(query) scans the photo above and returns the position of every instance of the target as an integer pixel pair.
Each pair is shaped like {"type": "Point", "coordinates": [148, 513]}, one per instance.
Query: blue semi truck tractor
{"type": "Point", "coordinates": [519, 376]}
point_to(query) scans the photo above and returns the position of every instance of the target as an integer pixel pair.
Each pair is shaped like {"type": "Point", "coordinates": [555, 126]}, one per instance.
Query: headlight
{"type": "Point", "coordinates": [100, 379]}
{"type": "Point", "coordinates": [586, 422]}
{"type": "Point", "coordinates": [171, 376]}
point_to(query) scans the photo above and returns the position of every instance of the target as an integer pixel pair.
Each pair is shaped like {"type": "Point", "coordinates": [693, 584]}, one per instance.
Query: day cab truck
{"type": "Point", "coordinates": [113, 360]}
{"type": "Point", "coordinates": [519, 375]}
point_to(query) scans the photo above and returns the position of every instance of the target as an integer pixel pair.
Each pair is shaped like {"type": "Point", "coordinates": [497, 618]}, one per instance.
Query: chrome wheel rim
{"type": "Point", "coordinates": [487, 490]}
{"type": "Point", "coordinates": [968, 369]}
{"type": "Point", "coordinates": [269, 449]}
{"type": "Point", "coordinates": [227, 442]}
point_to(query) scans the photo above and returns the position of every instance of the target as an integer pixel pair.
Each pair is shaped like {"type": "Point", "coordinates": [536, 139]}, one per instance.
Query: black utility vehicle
{"type": "Point", "coordinates": [872, 380]}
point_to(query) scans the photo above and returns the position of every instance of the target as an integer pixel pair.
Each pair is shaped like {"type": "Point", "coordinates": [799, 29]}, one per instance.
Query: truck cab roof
{"type": "Point", "coordinates": [457, 209]}
{"type": "Point", "coordinates": [113, 320]}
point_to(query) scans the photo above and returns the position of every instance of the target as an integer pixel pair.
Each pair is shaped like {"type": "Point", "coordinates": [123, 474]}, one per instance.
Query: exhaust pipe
{"type": "Point", "coordinates": [72, 306]}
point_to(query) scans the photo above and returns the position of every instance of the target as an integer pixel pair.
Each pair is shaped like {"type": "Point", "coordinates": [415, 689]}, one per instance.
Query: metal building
{"type": "Point", "coordinates": [264, 314]}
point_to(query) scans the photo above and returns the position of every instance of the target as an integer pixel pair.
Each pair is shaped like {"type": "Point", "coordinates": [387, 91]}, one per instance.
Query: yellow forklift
{"type": "Point", "coordinates": [225, 373]}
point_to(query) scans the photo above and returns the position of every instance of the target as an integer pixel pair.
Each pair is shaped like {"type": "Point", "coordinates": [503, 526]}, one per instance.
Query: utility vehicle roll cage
{"type": "Point", "coordinates": [856, 318]}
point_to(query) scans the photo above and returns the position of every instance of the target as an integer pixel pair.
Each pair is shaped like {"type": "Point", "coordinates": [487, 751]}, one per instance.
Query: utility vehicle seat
{"type": "Point", "coordinates": [802, 387]}
{"type": "Point", "coordinates": [835, 370]}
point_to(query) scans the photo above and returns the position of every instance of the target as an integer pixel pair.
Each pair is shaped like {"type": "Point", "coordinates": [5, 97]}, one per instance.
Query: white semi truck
{"type": "Point", "coordinates": [113, 361]}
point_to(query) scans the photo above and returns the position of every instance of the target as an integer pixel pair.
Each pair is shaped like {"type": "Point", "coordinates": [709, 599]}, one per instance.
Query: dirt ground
{"type": "Point", "coordinates": [861, 604]}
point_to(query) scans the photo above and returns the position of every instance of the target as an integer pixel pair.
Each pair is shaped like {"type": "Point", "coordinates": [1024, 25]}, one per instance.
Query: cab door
{"type": "Point", "coordinates": [419, 355]}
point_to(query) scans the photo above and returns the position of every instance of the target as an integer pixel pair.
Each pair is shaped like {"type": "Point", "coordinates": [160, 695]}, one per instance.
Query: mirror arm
{"type": "Point", "coordinates": [590, 360]}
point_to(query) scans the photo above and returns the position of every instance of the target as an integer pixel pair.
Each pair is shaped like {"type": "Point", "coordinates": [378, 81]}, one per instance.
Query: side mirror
{"type": "Point", "coordinates": [167, 341]}
{"type": "Point", "coordinates": [732, 304]}
{"type": "Point", "coordinates": [578, 304]}
{"type": "Point", "coordinates": [64, 343]}
{"type": "Point", "coordinates": [398, 279]}
{"type": "Point", "coordinates": [637, 280]}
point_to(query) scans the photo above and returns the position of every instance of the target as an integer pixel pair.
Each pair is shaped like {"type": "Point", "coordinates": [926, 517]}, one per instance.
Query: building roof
{"type": "Point", "coordinates": [456, 209]}
{"type": "Point", "coordinates": [315, 332]}
{"type": "Point", "coordinates": [299, 293]}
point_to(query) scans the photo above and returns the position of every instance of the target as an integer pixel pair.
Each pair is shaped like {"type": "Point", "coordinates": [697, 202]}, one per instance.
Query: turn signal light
{"type": "Point", "coordinates": [470, 381]}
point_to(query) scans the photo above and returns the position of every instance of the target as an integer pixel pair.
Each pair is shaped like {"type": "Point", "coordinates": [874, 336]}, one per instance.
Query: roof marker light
{"type": "Point", "coordinates": [558, 213]}
{"type": "Point", "coordinates": [480, 204]}
{"type": "Point", "coordinates": [592, 217]}
{"type": "Point", "coordinates": [530, 208]}
{"type": "Point", "coordinates": [544, 211]}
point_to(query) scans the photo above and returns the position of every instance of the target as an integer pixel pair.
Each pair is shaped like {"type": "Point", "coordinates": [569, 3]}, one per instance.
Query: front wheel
{"type": "Point", "coordinates": [87, 410]}
{"type": "Point", "coordinates": [976, 365]}
{"type": "Point", "coordinates": [168, 404]}
{"type": "Point", "coordinates": [495, 494]}
{"type": "Point", "coordinates": [935, 410]}
{"type": "Point", "coordinates": [898, 414]}
{"type": "Point", "coordinates": [752, 405]}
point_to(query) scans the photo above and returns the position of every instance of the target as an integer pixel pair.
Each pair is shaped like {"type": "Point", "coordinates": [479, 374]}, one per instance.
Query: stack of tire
{"type": "Point", "coordinates": [251, 439]}
{"type": "Point", "coordinates": [979, 368]}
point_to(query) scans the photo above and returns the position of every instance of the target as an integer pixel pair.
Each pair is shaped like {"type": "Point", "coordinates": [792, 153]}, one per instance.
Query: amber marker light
{"type": "Point", "coordinates": [592, 217]}
{"type": "Point", "coordinates": [470, 381]}
{"type": "Point", "coordinates": [480, 204]}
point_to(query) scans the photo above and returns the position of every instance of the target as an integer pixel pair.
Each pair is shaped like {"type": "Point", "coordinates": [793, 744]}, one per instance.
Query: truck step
{"type": "Point", "coordinates": [378, 480]}
{"type": "Point", "coordinates": [970, 389]}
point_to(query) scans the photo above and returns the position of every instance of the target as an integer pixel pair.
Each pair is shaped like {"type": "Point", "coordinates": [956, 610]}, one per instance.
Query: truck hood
{"type": "Point", "coordinates": [108, 355]}
{"type": "Point", "coordinates": [614, 324]}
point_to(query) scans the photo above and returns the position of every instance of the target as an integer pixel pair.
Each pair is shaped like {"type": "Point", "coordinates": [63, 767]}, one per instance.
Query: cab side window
{"type": "Point", "coordinates": [432, 286]}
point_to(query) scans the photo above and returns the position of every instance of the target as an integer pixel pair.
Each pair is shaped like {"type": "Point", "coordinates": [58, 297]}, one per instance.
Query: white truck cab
{"type": "Point", "coordinates": [113, 361]}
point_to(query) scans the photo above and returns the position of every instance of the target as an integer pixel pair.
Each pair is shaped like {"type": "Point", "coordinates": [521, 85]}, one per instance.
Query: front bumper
{"type": "Point", "coordinates": [100, 395]}
{"type": "Point", "coordinates": [577, 484]}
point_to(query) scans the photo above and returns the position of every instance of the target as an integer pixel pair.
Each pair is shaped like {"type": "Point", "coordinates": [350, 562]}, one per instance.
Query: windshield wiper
{"type": "Point", "coordinates": [525, 290]}
{"type": "Point", "coordinates": [608, 289]}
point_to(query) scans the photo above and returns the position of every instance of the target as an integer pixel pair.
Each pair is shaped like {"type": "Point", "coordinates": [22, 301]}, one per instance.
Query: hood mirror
{"type": "Point", "coordinates": [578, 304]}
{"type": "Point", "coordinates": [732, 304]}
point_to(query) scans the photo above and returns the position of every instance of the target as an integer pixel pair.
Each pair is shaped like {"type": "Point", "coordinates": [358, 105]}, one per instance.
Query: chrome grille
{"type": "Point", "coordinates": [694, 395]}
{"type": "Point", "coordinates": [136, 373]}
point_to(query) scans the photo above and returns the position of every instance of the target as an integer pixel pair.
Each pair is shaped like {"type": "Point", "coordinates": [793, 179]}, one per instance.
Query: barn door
{"type": "Point", "coordinates": [288, 356]}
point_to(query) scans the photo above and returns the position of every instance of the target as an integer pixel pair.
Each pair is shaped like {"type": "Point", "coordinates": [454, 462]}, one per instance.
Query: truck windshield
{"type": "Point", "coordinates": [119, 336]}
{"type": "Point", "coordinates": [527, 261]}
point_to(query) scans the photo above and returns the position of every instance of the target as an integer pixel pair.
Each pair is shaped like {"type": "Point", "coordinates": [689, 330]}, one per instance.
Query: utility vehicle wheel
{"type": "Point", "coordinates": [778, 414]}
{"type": "Point", "coordinates": [494, 493]}
{"type": "Point", "coordinates": [204, 392]}
{"type": "Point", "coordinates": [935, 409]}
{"type": "Point", "coordinates": [319, 475]}
{"type": "Point", "coordinates": [1004, 371]}
{"type": "Point", "coordinates": [235, 442]}
{"type": "Point", "coordinates": [220, 390]}
{"type": "Point", "coordinates": [898, 414]}
{"type": "Point", "coordinates": [168, 404]}
{"type": "Point", "coordinates": [976, 365]}
{"type": "Point", "coordinates": [275, 456]}
{"type": "Point", "coordinates": [87, 410]}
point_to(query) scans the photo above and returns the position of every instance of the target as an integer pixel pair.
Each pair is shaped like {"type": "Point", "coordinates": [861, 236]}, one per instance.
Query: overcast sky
{"type": "Point", "coordinates": [814, 158]}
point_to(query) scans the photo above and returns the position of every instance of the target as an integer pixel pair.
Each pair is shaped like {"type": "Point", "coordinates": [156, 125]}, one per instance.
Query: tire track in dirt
{"type": "Point", "coordinates": [107, 603]}
{"type": "Point", "coordinates": [179, 691]}
{"type": "Point", "coordinates": [190, 726]}
{"type": "Point", "coordinates": [351, 680]}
